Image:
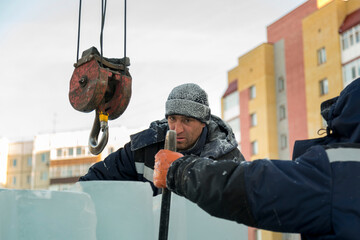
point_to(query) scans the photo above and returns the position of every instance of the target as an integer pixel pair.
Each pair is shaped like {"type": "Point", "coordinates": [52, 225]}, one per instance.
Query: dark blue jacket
{"type": "Point", "coordinates": [135, 161]}
{"type": "Point", "coordinates": [317, 194]}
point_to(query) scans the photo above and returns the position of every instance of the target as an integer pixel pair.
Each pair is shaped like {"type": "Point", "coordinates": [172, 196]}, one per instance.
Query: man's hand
{"type": "Point", "coordinates": [163, 160]}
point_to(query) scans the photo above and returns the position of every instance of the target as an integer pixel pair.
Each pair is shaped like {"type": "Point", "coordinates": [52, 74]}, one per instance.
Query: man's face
{"type": "Point", "coordinates": [187, 130]}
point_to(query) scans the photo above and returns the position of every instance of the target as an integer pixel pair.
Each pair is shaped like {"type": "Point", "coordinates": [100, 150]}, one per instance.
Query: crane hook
{"type": "Point", "coordinates": [100, 123]}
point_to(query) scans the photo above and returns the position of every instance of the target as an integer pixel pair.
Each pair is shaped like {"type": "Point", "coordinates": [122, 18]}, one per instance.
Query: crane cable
{"type": "Point", "coordinates": [103, 13]}
{"type": "Point", "coordinates": [78, 40]}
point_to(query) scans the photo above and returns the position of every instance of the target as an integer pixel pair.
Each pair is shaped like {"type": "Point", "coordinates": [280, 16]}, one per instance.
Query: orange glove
{"type": "Point", "coordinates": [163, 160]}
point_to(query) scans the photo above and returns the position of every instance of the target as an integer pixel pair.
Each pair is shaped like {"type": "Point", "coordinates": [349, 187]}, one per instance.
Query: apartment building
{"type": "Point", "coordinates": [53, 161]}
{"type": "Point", "coordinates": [19, 165]}
{"type": "Point", "coordinates": [274, 93]}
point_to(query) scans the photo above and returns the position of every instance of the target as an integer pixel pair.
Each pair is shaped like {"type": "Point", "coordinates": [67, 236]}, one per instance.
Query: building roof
{"type": "Point", "coordinates": [350, 21]}
{"type": "Point", "coordinates": [231, 88]}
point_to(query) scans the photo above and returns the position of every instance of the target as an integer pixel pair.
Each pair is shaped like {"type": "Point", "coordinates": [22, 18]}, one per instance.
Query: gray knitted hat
{"type": "Point", "coordinates": [188, 100]}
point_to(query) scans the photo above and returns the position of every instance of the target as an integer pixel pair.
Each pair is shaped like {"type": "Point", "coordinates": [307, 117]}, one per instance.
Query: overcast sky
{"type": "Point", "coordinates": [168, 42]}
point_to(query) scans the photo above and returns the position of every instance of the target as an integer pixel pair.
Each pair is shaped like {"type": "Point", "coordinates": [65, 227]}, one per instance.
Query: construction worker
{"type": "Point", "coordinates": [198, 133]}
{"type": "Point", "coordinates": [317, 194]}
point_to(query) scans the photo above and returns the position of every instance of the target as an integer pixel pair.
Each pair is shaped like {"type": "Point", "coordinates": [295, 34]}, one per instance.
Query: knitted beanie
{"type": "Point", "coordinates": [188, 100]}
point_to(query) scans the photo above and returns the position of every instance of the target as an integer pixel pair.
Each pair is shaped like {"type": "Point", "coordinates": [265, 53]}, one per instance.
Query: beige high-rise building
{"type": "Point", "coordinates": [19, 165]}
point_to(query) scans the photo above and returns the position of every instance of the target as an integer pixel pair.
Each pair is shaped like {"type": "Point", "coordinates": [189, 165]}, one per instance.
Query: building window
{"type": "Point", "coordinates": [283, 141]}
{"type": "Point", "coordinates": [281, 84]}
{"type": "Point", "coordinates": [71, 151]}
{"type": "Point", "coordinates": [29, 161]}
{"type": "Point", "coordinates": [254, 148]}
{"type": "Point", "coordinates": [252, 92]}
{"type": "Point", "coordinates": [351, 38]}
{"type": "Point", "coordinates": [43, 176]}
{"type": "Point", "coordinates": [78, 151]}
{"type": "Point", "coordinates": [14, 162]}
{"type": "Point", "coordinates": [282, 112]}
{"type": "Point", "coordinates": [351, 71]}
{"type": "Point", "coordinates": [14, 181]}
{"type": "Point", "coordinates": [321, 54]}
{"type": "Point", "coordinates": [253, 120]}
{"type": "Point", "coordinates": [28, 179]}
{"type": "Point", "coordinates": [59, 152]}
{"type": "Point", "coordinates": [344, 41]}
{"type": "Point", "coordinates": [231, 105]}
{"type": "Point", "coordinates": [324, 87]}
{"type": "Point", "coordinates": [357, 34]}
{"type": "Point", "coordinates": [43, 157]}
{"type": "Point", "coordinates": [231, 101]}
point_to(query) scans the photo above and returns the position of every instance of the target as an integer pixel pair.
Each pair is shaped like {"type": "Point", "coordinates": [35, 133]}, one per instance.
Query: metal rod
{"type": "Point", "coordinates": [170, 144]}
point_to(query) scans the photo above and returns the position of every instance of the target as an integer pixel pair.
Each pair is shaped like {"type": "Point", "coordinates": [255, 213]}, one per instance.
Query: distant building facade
{"type": "Point", "coordinates": [54, 161]}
